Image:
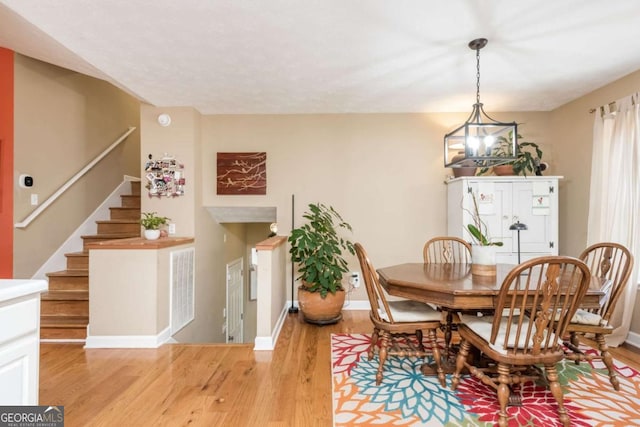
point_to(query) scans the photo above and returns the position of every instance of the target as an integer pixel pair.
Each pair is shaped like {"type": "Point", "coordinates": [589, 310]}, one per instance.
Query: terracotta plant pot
{"type": "Point", "coordinates": [502, 170]}
{"type": "Point", "coordinates": [318, 310]}
{"type": "Point", "coordinates": [468, 168]}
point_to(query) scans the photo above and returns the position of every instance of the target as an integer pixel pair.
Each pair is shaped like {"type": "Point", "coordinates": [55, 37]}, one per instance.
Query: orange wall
{"type": "Point", "coordinates": [6, 163]}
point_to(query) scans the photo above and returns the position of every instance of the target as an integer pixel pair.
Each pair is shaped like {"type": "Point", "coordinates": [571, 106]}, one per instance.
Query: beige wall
{"type": "Point", "coordinates": [182, 139]}
{"type": "Point", "coordinates": [572, 128]}
{"type": "Point", "coordinates": [133, 299]}
{"type": "Point", "coordinates": [383, 172]}
{"type": "Point", "coordinates": [255, 233]}
{"type": "Point", "coordinates": [62, 121]}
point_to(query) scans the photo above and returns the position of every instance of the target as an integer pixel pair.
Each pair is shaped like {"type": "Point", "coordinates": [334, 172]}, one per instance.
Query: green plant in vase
{"type": "Point", "coordinates": [317, 248]}
{"type": "Point", "coordinates": [528, 156]}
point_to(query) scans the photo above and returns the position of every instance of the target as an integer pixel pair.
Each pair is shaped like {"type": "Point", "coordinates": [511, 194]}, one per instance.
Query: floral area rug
{"type": "Point", "coordinates": [408, 398]}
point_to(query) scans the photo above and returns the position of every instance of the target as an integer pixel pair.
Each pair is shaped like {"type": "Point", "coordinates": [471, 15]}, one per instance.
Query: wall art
{"type": "Point", "coordinates": [242, 173]}
{"type": "Point", "coordinates": [165, 177]}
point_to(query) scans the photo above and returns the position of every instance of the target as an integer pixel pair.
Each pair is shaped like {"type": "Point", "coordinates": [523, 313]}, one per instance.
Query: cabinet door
{"type": "Point", "coordinates": [494, 204]}
{"type": "Point", "coordinates": [539, 220]}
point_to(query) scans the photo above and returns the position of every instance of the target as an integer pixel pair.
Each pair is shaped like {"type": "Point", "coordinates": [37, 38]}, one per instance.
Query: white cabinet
{"type": "Point", "coordinates": [20, 341]}
{"type": "Point", "coordinates": [502, 201]}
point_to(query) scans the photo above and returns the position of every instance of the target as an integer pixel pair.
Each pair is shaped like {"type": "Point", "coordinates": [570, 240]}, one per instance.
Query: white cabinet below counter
{"type": "Point", "coordinates": [20, 341]}
{"type": "Point", "coordinates": [503, 201]}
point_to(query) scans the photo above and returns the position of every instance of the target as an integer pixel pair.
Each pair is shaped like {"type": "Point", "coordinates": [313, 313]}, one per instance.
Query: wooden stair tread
{"type": "Point", "coordinates": [66, 295]}
{"type": "Point", "coordinates": [67, 273]}
{"type": "Point", "coordinates": [50, 321]}
{"type": "Point", "coordinates": [118, 221]}
{"type": "Point", "coordinates": [113, 236]}
{"type": "Point", "coordinates": [77, 254]}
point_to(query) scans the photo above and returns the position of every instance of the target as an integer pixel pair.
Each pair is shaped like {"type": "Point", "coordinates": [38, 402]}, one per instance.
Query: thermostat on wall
{"type": "Point", "coordinates": [26, 181]}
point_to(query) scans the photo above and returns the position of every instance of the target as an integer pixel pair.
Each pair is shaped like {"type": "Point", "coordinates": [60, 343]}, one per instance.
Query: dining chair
{"type": "Point", "coordinates": [447, 250]}
{"type": "Point", "coordinates": [535, 304]}
{"type": "Point", "coordinates": [612, 263]}
{"type": "Point", "coordinates": [398, 325]}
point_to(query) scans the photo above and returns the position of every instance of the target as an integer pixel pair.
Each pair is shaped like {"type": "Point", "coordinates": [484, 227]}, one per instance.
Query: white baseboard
{"type": "Point", "coordinates": [128, 341]}
{"type": "Point", "coordinates": [634, 339]}
{"type": "Point", "coordinates": [357, 305]}
{"type": "Point", "coordinates": [269, 343]}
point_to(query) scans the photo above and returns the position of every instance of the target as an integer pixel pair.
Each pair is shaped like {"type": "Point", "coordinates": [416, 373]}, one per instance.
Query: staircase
{"type": "Point", "coordinates": [64, 312]}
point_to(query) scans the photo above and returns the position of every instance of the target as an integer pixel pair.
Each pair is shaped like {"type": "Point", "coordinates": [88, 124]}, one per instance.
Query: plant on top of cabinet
{"type": "Point", "coordinates": [529, 157]}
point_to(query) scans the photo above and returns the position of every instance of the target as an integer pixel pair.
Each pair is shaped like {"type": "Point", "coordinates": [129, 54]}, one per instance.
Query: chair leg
{"type": "Point", "coordinates": [374, 341]}
{"type": "Point", "coordinates": [437, 357]}
{"type": "Point", "coordinates": [575, 342]}
{"type": "Point", "coordinates": [504, 391]}
{"type": "Point", "coordinates": [556, 390]}
{"type": "Point", "coordinates": [419, 338]}
{"type": "Point", "coordinates": [608, 361]}
{"type": "Point", "coordinates": [463, 352]}
{"type": "Point", "coordinates": [447, 333]}
{"type": "Point", "coordinates": [382, 355]}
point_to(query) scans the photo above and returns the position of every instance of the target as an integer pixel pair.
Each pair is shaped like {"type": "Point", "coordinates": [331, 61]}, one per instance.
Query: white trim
{"type": "Point", "coordinates": [357, 305]}
{"type": "Point", "coordinates": [58, 261]}
{"type": "Point", "coordinates": [128, 341]}
{"type": "Point", "coordinates": [634, 339]}
{"type": "Point", "coordinates": [33, 215]}
{"type": "Point", "coordinates": [269, 343]}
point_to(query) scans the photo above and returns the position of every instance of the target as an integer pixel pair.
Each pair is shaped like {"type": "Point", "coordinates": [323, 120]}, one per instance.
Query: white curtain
{"type": "Point", "coordinates": [614, 204]}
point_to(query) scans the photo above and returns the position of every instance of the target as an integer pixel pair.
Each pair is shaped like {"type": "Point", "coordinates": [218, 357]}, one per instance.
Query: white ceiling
{"type": "Point", "coordinates": [334, 56]}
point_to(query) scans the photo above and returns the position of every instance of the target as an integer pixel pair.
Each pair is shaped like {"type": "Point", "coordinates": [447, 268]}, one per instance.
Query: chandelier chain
{"type": "Point", "coordinates": [477, 76]}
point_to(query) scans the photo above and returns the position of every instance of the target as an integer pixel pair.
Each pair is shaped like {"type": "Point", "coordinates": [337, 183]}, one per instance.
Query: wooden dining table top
{"type": "Point", "coordinates": [454, 287]}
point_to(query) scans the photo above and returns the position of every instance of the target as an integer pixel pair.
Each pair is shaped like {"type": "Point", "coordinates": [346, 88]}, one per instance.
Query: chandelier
{"type": "Point", "coordinates": [472, 143]}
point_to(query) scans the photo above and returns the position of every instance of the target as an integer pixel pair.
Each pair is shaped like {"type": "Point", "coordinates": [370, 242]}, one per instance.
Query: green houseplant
{"type": "Point", "coordinates": [152, 222]}
{"type": "Point", "coordinates": [528, 156]}
{"type": "Point", "coordinates": [317, 248]}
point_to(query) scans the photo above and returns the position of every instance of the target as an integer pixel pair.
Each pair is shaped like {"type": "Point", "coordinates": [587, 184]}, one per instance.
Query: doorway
{"type": "Point", "coordinates": [235, 299]}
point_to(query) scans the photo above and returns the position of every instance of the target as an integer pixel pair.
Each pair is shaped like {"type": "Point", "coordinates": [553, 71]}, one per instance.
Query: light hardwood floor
{"type": "Point", "coordinates": [203, 385]}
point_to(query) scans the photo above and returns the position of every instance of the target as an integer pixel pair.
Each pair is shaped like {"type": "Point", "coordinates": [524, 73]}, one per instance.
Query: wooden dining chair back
{"type": "Point", "coordinates": [446, 250]}
{"type": "Point", "coordinates": [398, 325]}
{"type": "Point", "coordinates": [536, 302]}
{"type": "Point", "coordinates": [612, 264]}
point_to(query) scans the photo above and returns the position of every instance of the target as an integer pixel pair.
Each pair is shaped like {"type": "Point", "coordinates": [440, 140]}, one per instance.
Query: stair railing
{"type": "Point", "coordinates": [33, 215]}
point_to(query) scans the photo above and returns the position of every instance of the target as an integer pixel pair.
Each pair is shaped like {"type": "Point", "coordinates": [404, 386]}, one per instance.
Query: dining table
{"type": "Point", "coordinates": [454, 287]}
{"type": "Point", "coordinates": [451, 286]}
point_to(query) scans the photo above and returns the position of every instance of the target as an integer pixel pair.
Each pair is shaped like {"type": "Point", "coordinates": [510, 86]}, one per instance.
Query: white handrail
{"type": "Point", "coordinates": [33, 215]}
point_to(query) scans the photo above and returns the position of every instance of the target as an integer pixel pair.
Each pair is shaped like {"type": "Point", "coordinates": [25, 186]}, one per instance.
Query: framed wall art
{"type": "Point", "coordinates": [241, 173]}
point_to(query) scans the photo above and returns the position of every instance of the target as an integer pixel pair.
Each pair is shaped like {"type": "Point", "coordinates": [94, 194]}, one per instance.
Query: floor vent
{"type": "Point", "coordinates": [182, 288]}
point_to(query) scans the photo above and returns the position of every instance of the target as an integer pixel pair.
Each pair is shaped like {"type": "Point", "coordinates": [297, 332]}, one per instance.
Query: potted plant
{"type": "Point", "coordinates": [317, 247]}
{"type": "Point", "coordinates": [483, 248]}
{"type": "Point", "coordinates": [152, 223]}
{"type": "Point", "coordinates": [528, 158]}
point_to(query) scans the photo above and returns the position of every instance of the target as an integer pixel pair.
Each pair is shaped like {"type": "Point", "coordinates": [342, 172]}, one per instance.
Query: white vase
{"type": "Point", "coordinates": [151, 234]}
{"type": "Point", "coordinates": [483, 260]}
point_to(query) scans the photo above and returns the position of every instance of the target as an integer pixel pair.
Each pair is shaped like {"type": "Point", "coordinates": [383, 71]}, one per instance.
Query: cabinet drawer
{"type": "Point", "coordinates": [19, 319]}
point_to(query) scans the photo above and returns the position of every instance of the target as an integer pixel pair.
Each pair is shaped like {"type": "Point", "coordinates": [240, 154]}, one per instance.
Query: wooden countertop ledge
{"type": "Point", "coordinates": [271, 243]}
{"type": "Point", "coordinates": [141, 243]}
